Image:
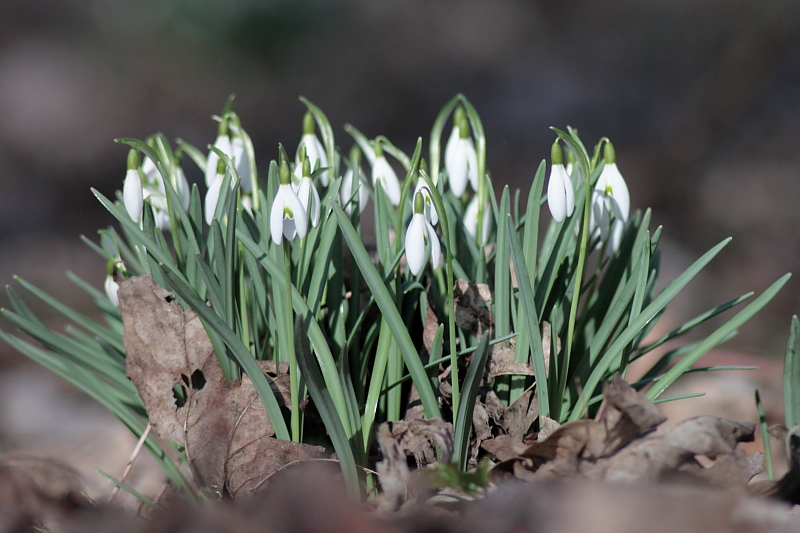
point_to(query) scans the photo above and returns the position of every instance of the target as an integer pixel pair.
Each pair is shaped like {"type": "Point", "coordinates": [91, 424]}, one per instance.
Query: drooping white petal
{"type": "Point", "coordinates": [415, 243]}
{"type": "Point", "coordinates": [133, 194]}
{"type": "Point", "coordinates": [315, 153]}
{"type": "Point", "coordinates": [615, 237]}
{"type": "Point", "coordinates": [382, 171]}
{"type": "Point", "coordinates": [212, 198]}
{"type": "Point", "coordinates": [457, 166]}
{"type": "Point", "coordinates": [430, 209]}
{"type": "Point", "coordinates": [112, 289]}
{"type": "Point", "coordinates": [347, 188]}
{"type": "Point", "coordinates": [287, 216]}
{"type": "Point", "coordinates": [299, 226]}
{"type": "Point", "coordinates": [560, 195]}
{"type": "Point", "coordinates": [223, 143]}
{"type": "Point", "coordinates": [151, 173]}
{"type": "Point", "coordinates": [158, 201]}
{"type": "Point", "coordinates": [617, 191]}
{"type": "Point", "coordinates": [242, 163]}
{"type": "Point", "coordinates": [183, 189]}
{"type": "Point", "coordinates": [471, 220]}
{"type": "Point", "coordinates": [436, 249]}
{"type": "Point", "coordinates": [276, 215]}
{"type": "Point", "coordinates": [309, 197]}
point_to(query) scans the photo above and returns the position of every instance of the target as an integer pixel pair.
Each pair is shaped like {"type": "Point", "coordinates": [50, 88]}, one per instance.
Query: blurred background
{"type": "Point", "coordinates": [700, 97]}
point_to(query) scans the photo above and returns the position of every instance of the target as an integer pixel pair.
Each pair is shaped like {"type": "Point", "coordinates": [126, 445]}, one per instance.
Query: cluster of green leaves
{"type": "Point", "coordinates": [353, 336]}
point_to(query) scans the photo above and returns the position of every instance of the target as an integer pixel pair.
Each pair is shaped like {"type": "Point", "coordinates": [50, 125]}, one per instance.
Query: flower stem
{"type": "Point", "coordinates": [289, 343]}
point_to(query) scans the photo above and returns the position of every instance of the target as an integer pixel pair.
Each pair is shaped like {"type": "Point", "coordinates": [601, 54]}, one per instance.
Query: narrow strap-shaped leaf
{"type": "Point", "coordinates": [531, 319]}
{"type": "Point", "coordinates": [715, 338]}
{"type": "Point", "coordinates": [469, 393]}
{"type": "Point", "coordinates": [660, 302]}
{"type": "Point", "coordinates": [83, 321]}
{"type": "Point", "coordinates": [791, 376]}
{"type": "Point", "coordinates": [502, 272]}
{"type": "Point", "coordinates": [324, 403]}
{"type": "Point", "coordinates": [390, 314]}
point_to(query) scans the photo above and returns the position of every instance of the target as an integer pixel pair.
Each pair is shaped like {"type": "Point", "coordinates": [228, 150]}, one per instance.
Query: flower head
{"type": "Point", "coordinates": [230, 141]}
{"type": "Point", "coordinates": [349, 184]}
{"type": "Point", "coordinates": [560, 192]}
{"type": "Point", "coordinates": [288, 216]}
{"type": "Point", "coordinates": [418, 235]}
{"type": "Point", "coordinates": [610, 195]}
{"type": "Point", "coordinates": [212, 195]}
{"type": "Point", "coordinates": [460, 158]}
{"type": "Point", "coordinates": [471, 220]}
{"type": "Point", "coordinates": [383, 173]}
{"type": "Point", "coordinates": [307, 192]}
{"type": "Point", "coordinates": [314, 150]}
{"type": "Point", "coordinates": [132, 188]}
{"type": "Point", "coordinates": [422, 187]}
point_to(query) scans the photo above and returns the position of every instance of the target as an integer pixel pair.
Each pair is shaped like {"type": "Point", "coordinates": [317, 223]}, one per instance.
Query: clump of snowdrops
{"type": "Point", "coordinates": [274, 263]}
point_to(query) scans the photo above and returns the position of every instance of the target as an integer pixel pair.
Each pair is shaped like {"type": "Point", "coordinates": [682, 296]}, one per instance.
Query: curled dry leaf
{"type": "Point", "coordinates": [659, 456]}
{"type": "Point", "coordinates": [223, 426]}
{"type": "Point", "coordinates": [393, 470]}
{"type": "Point", "coordinates": [620, 445]}
{"type": "Point", "coordinates": [473, 311]}
{"type": "Point", "coordinates": [422, 438]}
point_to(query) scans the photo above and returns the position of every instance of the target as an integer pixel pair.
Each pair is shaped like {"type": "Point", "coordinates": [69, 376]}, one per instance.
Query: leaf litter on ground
{"type": "Point", "coordinates": [223, 426]}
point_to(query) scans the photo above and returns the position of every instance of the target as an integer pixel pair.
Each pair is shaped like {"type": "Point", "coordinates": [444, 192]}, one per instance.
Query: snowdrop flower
{"type": "Point", "coordinates": [223, 144]}
{"type": "Point", "coordinates": [212, 195]}
{"type": "Point", "coordinates": [610, 195]}
{"type": "Point", "coordinates": [314, 150]}
{"type": "Point", "coordinates": [132, 188]}
{"type": "Point", "coordinates": [146, 183]}
{"type": "Point", "coordinates": [349, 184]}
{"type": "Point", "coordinates": [471, 220]}
{"type": "Point", "coordinates": [112, 288]}
{"type": "Point", "coordinates": [230, 142]}
{"type": "Point", "coordinates": [460, 158]}
{"type": "Point", "coordinates": [560, 193]}
{"type": "Point", "coordinates": [383, 172]}
{"type": "Point", "coordinates": [307, 192]}
{"type": "Point", "coordinates": [422, 187]}
{"type": "Point", "coordinates": [241, 161]}
{"type": "Point", "coordinates": [288, 217]}
{"type": "Point", "coordinates": [419, 234]}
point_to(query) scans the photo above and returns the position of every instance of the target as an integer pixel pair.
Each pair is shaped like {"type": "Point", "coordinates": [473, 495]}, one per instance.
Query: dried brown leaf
{"type": "Point", "coordinates": [505, 447]}
{"type": "Point", "coordinates": [519, 416]}
{"type": "Point", "coordinates": [626, 415]}
{"type": "Point", "coordinates": [430, 329]}
{"type": "Point", "coordinates": [661, 454]}
{"type": "Point", "coordinates": [422, 438]}
{"type": "Point", "coordinates": [224, 427]}
{"type": "Point", "coordinates": [502, 363]}
{"type": "Point", "coordinates": [473, 311]}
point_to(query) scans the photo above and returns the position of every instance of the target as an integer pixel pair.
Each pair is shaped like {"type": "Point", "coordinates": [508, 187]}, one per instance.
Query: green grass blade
{"type": "Point", "coordinates": [390, 314]}
{"type": "Point", "coordinates": [531, 319]}
{"type": "Point", "coordinates": [469, 393]}
{"type": "Point", "coordinates": [715, 338]}
{"type": "Point", "coordinates": [318, 390]}
{"type": "Point", "coordinates": [764, 426]}
{"type": "Point", "coordinates": [647, 314]}
{"type": "Point", "coordinates": [791, 376]}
